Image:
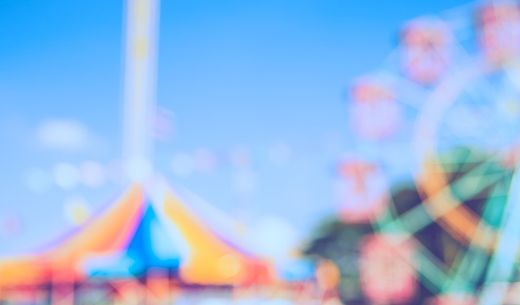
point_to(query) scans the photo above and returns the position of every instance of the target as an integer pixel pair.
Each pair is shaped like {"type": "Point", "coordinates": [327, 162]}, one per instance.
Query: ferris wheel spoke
{"type": "Point", "coordinates": [426, 264]}
{"type": "Point", "coordinates": [470, 264]}
{"type": "Point", "coordinates": [475, 179]}
{"type": "Point", "coordinates": [502, 264]}
{"type": "Point", "coordinates": [497, 195]}
{"type": "Point", "coordinates": [419, 217]}
{"type": "Point", "coordinates": [469, 187]}
{"type": "Point", "coordinates": [467, 268]}
{"type": "Point", "coordinates": [412, 220]}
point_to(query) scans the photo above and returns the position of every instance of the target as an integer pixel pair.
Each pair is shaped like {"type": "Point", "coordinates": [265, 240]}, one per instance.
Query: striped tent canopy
{"type": "Point", "coordinates": [143, 230]}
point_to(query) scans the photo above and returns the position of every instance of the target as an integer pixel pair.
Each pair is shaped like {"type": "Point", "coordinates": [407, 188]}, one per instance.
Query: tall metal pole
{"type": "Point", "coordinates": [140, 87]}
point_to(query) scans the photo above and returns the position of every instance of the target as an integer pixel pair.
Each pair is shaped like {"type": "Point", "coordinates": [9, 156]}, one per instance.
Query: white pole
{"type": "Point", "coordinates": [140, 87]}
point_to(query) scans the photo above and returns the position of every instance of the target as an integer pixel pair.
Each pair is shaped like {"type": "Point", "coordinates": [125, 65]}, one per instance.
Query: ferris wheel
{"type": "Point", "coordinates": [443, 111]}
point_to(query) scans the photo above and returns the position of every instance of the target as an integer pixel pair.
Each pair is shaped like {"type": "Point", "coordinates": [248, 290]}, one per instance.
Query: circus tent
{"type": "Point", "coordinates": [143, 230]}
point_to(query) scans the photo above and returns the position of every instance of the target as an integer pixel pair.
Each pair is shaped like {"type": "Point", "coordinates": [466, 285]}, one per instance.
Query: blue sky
{"type": "Point", "coordinates": [244, 76]}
